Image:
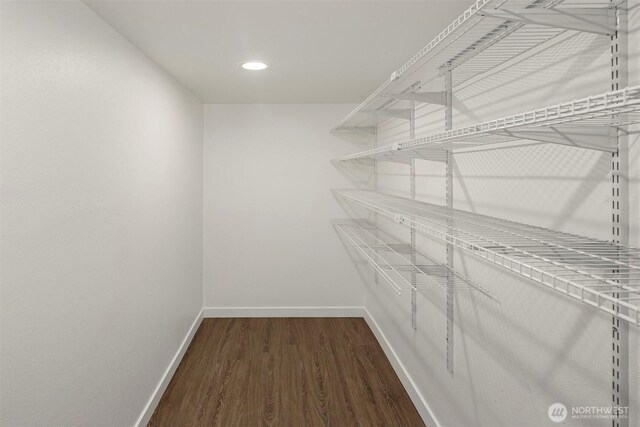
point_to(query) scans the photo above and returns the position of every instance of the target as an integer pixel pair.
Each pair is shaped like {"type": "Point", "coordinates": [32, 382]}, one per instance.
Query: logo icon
{"type": "Point", "coordinates": [557, 412]}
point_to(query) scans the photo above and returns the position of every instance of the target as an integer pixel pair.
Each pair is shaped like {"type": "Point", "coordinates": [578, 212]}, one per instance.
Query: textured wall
{"type": "Point", "coordinates": [268, 238]}
{"type": "Point", "coordinates": [101, 219]}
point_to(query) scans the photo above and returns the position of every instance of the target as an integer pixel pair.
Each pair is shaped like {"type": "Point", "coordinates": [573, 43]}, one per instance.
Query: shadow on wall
{"type": "Point", "coordinates": [545, 76]}
{"type": "Point", "coordinates": [561, 188]}
{"type": "Point", "coordinates": [359, 173]}
{"type": "Point", "coordinates": [482, 323]}
{"type": "Point", "coordinates": [557, 187]}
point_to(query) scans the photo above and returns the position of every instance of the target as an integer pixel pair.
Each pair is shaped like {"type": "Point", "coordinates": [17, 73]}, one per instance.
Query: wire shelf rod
{"type": "Point", "coordinates": [424, 274]}
{"type": "Point", "coordinates": [472, 44]}
{"type": "Point", "coordinates": [571, 278]}
{"type": "Point", "coordinates": [609, 105]}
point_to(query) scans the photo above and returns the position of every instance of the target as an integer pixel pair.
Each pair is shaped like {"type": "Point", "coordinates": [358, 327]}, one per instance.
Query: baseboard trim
{"type": "Point", "coordinates": [146, 414]}
{"type": "Point", "coordinates": [416, 397]}
{"type": "Point", "coordinates": [212, 312]}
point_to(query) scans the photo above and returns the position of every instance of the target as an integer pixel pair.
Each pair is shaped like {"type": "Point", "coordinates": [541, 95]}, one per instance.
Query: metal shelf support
{"type": "Point", "coordinates": [448, 84]}
{"type": "Point", "coordinates": [403, 114]}
{"type": "Point", "coordinates": [590, 20]}
{"type": "Point", "coordinates": [620, 221]}
{"type": "Point", "coordinates": [412, 191]}
{"type": "Point", "coordinates": [358, 129]}
{"type": "Point", "coordinates": [374, 185]}
{"type": "Point", "coordinates": [437, 98]}
{"type": "Point", "coordinates": [601, 138]}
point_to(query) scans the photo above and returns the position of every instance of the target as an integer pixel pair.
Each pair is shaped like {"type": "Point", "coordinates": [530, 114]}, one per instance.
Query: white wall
{"type": "Point", "coordinates": [526, 347]}
{"type": "Point", "coordinates": [268, 239]}
{"type": "Point", "coordinates": [101, 219]}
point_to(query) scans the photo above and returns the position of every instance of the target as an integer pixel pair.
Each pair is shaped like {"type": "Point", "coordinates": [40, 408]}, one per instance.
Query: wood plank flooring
{"type": "Point", "coordinates": [285, 372]}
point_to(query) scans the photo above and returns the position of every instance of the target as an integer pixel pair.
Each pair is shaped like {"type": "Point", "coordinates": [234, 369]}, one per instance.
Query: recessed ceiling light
{"type": "Point", "coordinates": [254, 65]}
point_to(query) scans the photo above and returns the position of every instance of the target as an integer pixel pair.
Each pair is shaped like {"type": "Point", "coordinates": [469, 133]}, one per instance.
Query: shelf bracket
{"type": "Point", "coordinates": [438, 98]}
{"type": "Point", "coordinates": [590, 20]}
{"type": "Point", "coordinates": [433, 156]}
{"type": "Point", "coordinates": [601, 138]}
{"type": "Point", "coordinates": [364, 129]}
{"type": "Point", "coordinates": [404, 114]}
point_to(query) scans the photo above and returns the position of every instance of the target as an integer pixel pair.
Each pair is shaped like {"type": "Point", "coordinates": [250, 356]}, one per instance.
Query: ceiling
{"type": "Point", "coordinates": [318, 51]}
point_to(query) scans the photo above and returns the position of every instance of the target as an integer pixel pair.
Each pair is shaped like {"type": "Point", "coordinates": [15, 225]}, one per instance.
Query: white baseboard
{"type": "Point", "coordinates": [416, 397]}
{"type": "Point", "coordinates": [146, 414]}
{"type": "Point", "coordinates": [284, 312]}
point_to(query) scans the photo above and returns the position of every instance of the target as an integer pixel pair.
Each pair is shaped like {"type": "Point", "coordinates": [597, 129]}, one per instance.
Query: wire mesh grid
{"type": "Point", "coordinates": [472, 45]}
{"type": "Point", "coordinates": [594, 114]}
{"type": "Point", "coordinates": [392, 260]}
{"type": "Point", "coordinates": [593, 271]}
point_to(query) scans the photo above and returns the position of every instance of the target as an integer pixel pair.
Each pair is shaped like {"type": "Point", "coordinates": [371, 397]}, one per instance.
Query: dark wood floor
{"type": "Point", "coordinates": [285, 372]}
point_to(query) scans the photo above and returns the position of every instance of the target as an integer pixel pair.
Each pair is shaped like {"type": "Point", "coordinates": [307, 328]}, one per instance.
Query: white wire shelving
{"type": "Point", "coordinates": [588, 123]}
{"type": "Point", "coordinates": [486, 35]}
{"type": "Point", "coordinates": [598, 273]}
{"type": "Point", "coordinates": [392, 259]}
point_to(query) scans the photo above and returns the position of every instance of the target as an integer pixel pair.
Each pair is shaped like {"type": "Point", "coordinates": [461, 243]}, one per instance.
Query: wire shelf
{"type": "Point", "coordinates": [598, 273]}
{"type": "Point", "coordinates": [476, 42]}
{"type": "Point", "coordinates": [392, 259]}
{"type": "Point", "coordinates": [597, 116]}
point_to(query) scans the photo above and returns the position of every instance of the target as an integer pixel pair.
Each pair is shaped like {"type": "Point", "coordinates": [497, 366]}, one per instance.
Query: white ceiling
{"type": "Point", "coordinates": [317, 51]}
